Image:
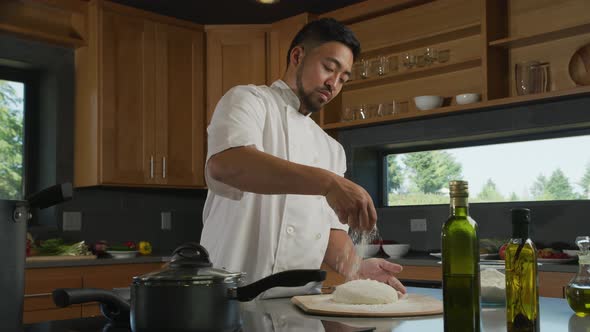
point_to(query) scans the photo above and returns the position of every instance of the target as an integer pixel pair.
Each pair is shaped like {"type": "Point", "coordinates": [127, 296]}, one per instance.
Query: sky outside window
{"type": "Point", "coordinates": [11, 139]}
{"type": "Point", "coordinates": [541, 170]}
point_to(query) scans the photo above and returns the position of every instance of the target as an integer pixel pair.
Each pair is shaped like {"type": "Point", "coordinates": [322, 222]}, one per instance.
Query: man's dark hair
{"type": "Point", "coordinates": [318, 32]}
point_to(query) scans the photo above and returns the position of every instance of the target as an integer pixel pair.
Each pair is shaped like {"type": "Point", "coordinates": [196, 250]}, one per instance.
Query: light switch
{"type": "Point", "coordinates": [417, 225]}
{"type": "Point", "coordinates": [166, 218]}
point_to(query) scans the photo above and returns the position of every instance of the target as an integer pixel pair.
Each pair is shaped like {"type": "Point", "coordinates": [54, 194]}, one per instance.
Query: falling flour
{"type": "Point", "coordinates": [364, 291]}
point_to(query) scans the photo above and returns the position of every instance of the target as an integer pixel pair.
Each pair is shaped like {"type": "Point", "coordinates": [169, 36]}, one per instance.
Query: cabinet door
{"type": "Point", "coordinates": [180, 106]}
{"type": "Point", "coordinates": [235, 55]}
{"type": "Point", "coordinates": [281, 36]}
{"type": "Point", "coordinates": [127, 94]}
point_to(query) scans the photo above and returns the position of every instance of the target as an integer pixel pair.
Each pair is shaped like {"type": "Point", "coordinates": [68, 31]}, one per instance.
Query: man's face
{"type": "Point", "coordinates": [321, 74]}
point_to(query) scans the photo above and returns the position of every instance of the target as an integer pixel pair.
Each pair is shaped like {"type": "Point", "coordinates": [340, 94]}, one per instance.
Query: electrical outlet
{"type": "Point", "coordinates": [417, 225]}
{"type": "Point", "coordinates": [166, 218]}
{"type": "Point", "coordinates": [72, 221]}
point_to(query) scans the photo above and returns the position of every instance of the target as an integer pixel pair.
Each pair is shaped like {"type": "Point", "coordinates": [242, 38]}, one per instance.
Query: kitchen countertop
{"type": "Point", "coordinates": [97, 261]}
{"type": "Point", "coordinates": [410, 259]}
{"type": "Point", "coordinates": [280, 315]}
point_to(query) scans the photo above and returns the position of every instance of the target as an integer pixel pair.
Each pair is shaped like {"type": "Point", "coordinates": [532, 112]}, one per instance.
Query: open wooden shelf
{"type": "Point", "coordinates": [520, 41]}
{"type": "Point", "coordinates": [427, 39]}
{"type": "Point", "coordinates": [410, 74]}
{"type": "Point", "coordinates": [459, 108]}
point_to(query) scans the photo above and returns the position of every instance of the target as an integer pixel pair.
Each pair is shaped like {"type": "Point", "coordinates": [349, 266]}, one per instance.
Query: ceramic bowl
{"type": "Point", "coordinates": [425, 103]}
{"type": "Point", "coordinates": [467, 98]}
{"type": "Point", "coordinates": [396, 250]}
{"type": "Point", "coordinates": [367, 250]}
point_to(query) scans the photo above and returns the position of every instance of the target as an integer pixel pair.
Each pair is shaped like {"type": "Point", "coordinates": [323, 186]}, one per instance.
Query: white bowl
{"type": "Point", "coordinates": [396, 250]}
{"type": "Point", "coordinates": [571, 253]}
{"type": "Point", "coordinates": [467, 98]}
{"type": "Point", "coordinates": [425, 103]}
{"type": "Point", "coordinates": [367, 250]}
{"type": "Point", "coordinates": [122, 254]}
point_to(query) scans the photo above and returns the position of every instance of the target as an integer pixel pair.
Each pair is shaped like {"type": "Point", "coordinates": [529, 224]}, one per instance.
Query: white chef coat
{"type": "Point", "coordinates": [266, 234]}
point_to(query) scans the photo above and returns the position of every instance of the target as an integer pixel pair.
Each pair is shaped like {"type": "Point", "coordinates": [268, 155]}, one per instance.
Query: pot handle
{"type": "Point", "coordinates": [291, 278]}
{"type": "Point", "coordinates": [112, 306]}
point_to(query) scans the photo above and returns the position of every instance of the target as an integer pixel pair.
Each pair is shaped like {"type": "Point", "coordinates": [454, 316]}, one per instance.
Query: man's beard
{"type": "Point", "coordinates": [306, 98]}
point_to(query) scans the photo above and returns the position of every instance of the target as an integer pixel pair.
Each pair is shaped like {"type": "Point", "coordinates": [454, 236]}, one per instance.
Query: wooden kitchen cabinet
{"type": "Point", "coordinates": [139, 100]}
{"type": "Point", "coordinates": [40, 282]}
{"type": "Point", "coordinates": [236, 54]}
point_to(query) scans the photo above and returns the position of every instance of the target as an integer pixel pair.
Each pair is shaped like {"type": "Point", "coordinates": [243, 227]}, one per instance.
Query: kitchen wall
{"type": "Point", "coordinates": [112, 214]}
{"type": "Point", "coordinates": [559, 221]}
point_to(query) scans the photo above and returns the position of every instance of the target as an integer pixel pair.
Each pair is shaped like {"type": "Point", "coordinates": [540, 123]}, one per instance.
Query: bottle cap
{"type": "Point", "coordinates": [459, 188]}
{"type": "Point", "coordinates": [521, 216]}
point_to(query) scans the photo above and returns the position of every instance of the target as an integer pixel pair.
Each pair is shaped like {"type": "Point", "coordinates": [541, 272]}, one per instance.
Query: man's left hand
{"type": "Point", "coordinates": [382, 271]}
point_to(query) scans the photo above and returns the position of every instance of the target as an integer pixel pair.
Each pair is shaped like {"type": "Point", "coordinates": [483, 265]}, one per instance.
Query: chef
{"type": "Point", "coordinates": [277, 196]}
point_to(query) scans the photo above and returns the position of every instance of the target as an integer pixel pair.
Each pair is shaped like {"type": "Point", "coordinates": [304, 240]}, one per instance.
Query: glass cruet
{"type": "Point", "coordinates": [578, 289]}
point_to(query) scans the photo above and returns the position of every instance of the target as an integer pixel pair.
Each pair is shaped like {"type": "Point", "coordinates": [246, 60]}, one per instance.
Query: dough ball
{"type": "Point", "coordinates": [364, 292]}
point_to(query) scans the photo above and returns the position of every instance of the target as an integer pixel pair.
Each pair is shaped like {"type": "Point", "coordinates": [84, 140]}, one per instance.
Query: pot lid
{"type": "Point", "coordinates": [190, 262]}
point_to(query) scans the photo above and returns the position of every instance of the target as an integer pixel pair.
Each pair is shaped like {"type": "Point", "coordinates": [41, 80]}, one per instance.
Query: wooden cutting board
{"type": "Point", "coordinates": [57, 258]}
{"type": "Point", "coordinates": [410, 305]}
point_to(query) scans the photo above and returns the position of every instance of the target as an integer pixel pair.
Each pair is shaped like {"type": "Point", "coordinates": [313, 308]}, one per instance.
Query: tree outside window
{"type": "Point", "coordinates": [11, 139]}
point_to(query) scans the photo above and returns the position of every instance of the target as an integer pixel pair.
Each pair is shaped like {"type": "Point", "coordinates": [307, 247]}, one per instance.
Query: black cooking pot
{"type": "Point", "coordinates": [13, 229]}
{"type": "Point", "coordinates": [187, 295]}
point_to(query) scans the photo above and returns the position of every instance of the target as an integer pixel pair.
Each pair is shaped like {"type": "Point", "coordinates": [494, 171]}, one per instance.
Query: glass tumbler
{"type": "Point", "coordinates": [531, 77]}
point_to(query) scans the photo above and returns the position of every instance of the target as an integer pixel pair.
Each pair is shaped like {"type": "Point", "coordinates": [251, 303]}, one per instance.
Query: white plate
{"type": "Point", "coordinates": [122, 254]}
{"type": "Point", "coordinates": [556, 260]}
{"type": "Point", "coordinates": [571, 253]}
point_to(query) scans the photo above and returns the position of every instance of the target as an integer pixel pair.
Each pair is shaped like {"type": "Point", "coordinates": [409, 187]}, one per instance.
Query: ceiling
{"type": "Point", "coordinates": [235, 11]}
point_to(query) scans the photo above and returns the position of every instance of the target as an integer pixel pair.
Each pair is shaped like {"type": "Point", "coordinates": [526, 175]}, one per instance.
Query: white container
{"type": "Point", "coordinates": [396, 250]}
{"type": "Point", "coordinates": [493, 284]}
{"type": "Point", "coordinates": [467, 98]}
{"type": "Point", "coordinates": [425, 103]}
{"type": "Point", "coordinates": [367, 250]}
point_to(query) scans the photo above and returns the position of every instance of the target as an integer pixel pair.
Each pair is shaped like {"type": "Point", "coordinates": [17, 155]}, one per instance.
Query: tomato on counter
{"type": "Point", "coordinates": [145, 248]}
{"type": "Point", "coordinates": [130, 245]}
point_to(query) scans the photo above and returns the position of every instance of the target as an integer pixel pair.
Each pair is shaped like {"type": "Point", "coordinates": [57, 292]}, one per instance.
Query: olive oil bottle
{"type": "Point", "coordinates": [460, 261]}
{"type": "Point", "coordinates": [578, 289]}
{"type": "Point", "coordinates": [522, 291]}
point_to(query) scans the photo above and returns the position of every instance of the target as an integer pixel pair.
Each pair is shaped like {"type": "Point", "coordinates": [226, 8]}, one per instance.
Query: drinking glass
{"type": "Point", "coordinates": [409, 60]}
{"type": "Point", "coordinates": [347, 114]}
{"type": "Point", "coordinates": [443, 56]}
{"type": "Point", "coordinates": [430, 55]}
{"type": "Point", "coordinates": [531, 77]}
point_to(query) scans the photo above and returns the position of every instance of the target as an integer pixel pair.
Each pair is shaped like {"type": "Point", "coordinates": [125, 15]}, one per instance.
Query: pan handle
{"type": "Point", "coordinates": [112, 306]}
{"type": "Point", "coordinates": [291, 278]}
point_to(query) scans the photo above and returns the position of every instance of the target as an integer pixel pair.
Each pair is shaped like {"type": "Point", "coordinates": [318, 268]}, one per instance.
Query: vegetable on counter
{"type": "Point", "coordinates": [145, 248]}
{"type": "Point", "coordinates": [57, 247]}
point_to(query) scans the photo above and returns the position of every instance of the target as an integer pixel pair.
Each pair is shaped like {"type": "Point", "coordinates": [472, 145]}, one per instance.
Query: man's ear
{"type": "Point", "coordinates": [297, 54]}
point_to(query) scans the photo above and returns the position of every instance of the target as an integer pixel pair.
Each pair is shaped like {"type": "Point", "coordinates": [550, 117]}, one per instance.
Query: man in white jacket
{"type": "Point", "coordinates": [278, 199]}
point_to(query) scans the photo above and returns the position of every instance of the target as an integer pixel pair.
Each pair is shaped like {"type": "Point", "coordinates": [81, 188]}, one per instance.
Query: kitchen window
{"type": "Point", "coordinates": [549, 169]}
{"type": "Point", "coordinates": [12, 124]}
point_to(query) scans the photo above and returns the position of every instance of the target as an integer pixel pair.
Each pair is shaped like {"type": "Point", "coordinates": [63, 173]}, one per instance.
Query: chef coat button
{"type": "Point", "coordinates": [290, 230]}
{"type": "Point", "coordinates": [318, 236]}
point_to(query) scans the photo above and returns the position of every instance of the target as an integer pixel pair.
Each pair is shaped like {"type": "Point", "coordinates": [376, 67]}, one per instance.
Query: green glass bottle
{"type": "Point", "coordinates": [460, 261]}
{"type": "Point", "coordinates": [522, 292]}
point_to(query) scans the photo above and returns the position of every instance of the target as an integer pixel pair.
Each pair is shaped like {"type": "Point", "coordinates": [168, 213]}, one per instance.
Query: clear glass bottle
{"type": "Point", "coordinates": [578, 290]}
{"type": "Point", "coordinates": [522, 291]}
{"type": "Point", "coordinates": [460, 261]}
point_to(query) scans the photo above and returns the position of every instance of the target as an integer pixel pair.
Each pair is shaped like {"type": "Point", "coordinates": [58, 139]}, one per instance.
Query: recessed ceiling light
{"type": "Point", "coordinates": [267, 2]}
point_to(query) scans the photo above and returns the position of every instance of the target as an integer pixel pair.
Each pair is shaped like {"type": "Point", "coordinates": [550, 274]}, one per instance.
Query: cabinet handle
{"type": "Point", "coordinates": [151, 167]}
{"type": "Point", "coordinates": [163, 167]}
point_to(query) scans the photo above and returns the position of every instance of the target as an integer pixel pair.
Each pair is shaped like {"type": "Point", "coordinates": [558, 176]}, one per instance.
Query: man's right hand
{"type": "Point", "coordinates": [352, 204]}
